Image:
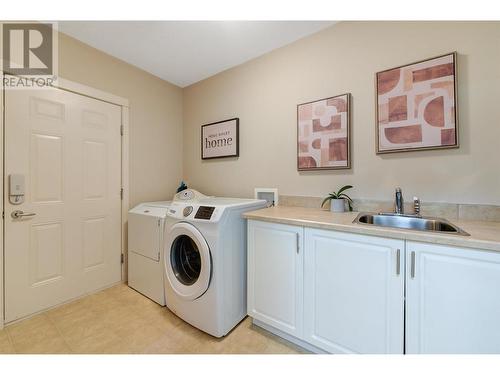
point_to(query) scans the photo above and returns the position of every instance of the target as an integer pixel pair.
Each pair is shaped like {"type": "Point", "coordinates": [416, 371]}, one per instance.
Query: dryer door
{"type": "Point", "coordinates": [188, 263]}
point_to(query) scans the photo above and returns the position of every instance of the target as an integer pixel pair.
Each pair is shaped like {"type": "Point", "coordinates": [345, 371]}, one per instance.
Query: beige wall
{"type": "Point", "coordinates": [264, 92]}
{"type": "Point", "coordinates": [155, 116]}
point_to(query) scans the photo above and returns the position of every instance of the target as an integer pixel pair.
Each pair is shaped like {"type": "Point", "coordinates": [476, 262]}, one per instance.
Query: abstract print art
{"type": "Point", "coordinates": [416, 106]}
{"type": "Point", "coordinates": [323, 134]}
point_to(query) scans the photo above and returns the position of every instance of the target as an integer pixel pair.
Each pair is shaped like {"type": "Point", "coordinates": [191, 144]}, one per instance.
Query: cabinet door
{"type": "Point", "coordinates": [353, 292]}
{"type": "Point", "coordinates": [275, 277]}
{"type": "Point", "coordinates": [453, 300]}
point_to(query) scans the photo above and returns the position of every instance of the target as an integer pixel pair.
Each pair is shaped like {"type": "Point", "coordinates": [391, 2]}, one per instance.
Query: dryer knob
{"type": "Point", "coordinates": [187, 211]}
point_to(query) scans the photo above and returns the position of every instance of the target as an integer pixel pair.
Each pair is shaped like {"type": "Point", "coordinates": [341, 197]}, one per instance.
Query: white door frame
{"type": "Point", "coordinates": [91, 92]}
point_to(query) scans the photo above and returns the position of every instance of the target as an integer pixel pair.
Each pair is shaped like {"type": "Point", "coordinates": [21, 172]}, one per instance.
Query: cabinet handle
{"type": "Point", "coordinates": [398, 262]}
{"type": "Point", "coordinates": [412, 266]}
{"type": "Point", "coordinates": [297, 237]}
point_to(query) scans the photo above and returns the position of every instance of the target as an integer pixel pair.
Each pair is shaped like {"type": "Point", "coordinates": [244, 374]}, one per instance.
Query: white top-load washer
{"type": "Point", "coordinates": [146, 224]}
{"type": "Point", "coordinates": [205, 260]}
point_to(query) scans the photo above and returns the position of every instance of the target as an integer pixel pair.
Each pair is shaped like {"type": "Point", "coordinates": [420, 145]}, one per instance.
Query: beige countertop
{"type": "Point", "coordinates": [483, 235]}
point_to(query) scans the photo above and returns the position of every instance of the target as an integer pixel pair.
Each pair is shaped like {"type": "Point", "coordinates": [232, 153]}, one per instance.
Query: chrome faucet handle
{"type": "Point", "coordinates": [398, 202]}
{"type": "Point", "coordinates": [416, 206]}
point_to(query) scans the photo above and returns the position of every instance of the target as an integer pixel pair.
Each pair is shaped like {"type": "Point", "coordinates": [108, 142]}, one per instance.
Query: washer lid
{"type": "Point", "coordinates": [188, 264]}
{"type": "Point", "coordinates": [159, 204]}
{"type": "Point", "coordinates": [149, 210]}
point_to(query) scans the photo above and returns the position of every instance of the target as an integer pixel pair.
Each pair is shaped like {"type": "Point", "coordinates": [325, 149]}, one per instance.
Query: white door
{"type": "Point", "coordinates": [453, 300]}
{"type": "Point", "coordinates": [353, 292]}
{"type": "Point", "coordinates": [275, 277]}
{"type": "Point", "coordinates": [68, 149]}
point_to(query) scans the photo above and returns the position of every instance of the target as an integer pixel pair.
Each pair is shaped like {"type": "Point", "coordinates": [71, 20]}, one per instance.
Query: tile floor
{"type": "Point", "coordinates": [119, 320]}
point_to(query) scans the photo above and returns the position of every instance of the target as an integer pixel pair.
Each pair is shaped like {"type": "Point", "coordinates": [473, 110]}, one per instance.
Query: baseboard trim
{"type": "Point", "coordinates": [288, 337]}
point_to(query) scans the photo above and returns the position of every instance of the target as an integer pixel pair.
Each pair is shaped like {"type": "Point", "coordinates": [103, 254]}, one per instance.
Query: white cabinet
{"type": "Point", "coordinates": [347, 293]}
{"type": "Point", "coordinates": [353, 292]}
{"type": "Point", "coordinates": [340, 292]}
{"type": "Point", "coordinates": [453, 300]}
{"type": "Point", "coordinates": [275, 275]}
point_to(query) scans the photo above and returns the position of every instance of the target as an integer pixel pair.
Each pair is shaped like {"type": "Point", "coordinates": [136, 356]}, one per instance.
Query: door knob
{"type": "Point", "coordinates": [18, 214]}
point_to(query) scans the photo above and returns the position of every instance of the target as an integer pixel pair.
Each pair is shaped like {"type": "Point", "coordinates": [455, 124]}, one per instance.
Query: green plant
{"type": "Point", "coordinates": [339, 195]}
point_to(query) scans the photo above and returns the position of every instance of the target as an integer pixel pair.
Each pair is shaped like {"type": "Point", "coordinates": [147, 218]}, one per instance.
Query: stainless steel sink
{"type": "Point", "coordinates": [426, 224]}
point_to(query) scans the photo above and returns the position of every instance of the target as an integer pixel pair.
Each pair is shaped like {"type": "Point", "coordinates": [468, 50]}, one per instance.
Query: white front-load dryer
{"type": "Point", "coordinates": [205, 261]}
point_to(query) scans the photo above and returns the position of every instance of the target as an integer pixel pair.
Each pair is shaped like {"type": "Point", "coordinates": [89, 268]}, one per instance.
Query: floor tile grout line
{"type": "Point", "coordinates": [73, 350]}
{"type": "Point", "coordinates": [11, 341]}
{"type": "Point", "coordinates": [60, 333]}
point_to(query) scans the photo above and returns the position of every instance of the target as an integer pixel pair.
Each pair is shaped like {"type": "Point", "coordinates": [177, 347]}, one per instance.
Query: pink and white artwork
{"type": "Point", "coordinates": [323, 134]}
{"type": "Point", "coordinates": [416, 106]}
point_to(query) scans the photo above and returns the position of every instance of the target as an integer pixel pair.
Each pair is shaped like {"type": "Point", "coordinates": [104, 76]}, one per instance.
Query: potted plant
{"type": "Point", "coordinates": [338, 200]}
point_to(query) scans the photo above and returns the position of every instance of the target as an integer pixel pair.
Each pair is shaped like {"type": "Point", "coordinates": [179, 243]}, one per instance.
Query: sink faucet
{"type": "Point", "coordinates": [399, 208]}
{"type": "Point", "coordinates": [398, 202]}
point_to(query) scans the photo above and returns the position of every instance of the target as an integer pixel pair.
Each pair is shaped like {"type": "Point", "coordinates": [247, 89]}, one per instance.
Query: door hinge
{"type": "Point", "coordinates": [121, 130]}
{"type": "Point", "coordinates": [122, 258]}
{"type": "Point", "coordinates": [3, 214]}
{"type": "Point", "coordinates": [121, 193]}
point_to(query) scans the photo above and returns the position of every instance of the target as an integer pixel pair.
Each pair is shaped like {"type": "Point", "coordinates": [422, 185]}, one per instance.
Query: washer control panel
{"type": "Point", "coordinates": [195, 212]}
{"type": "Point", "coordinates": [204, 212]}
{"type": "Point", "coordinates": [187, 211]}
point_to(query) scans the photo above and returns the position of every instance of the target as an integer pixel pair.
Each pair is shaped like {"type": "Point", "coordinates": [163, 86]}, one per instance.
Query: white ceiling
{"type": "Point", "coordinates": [185, 52]}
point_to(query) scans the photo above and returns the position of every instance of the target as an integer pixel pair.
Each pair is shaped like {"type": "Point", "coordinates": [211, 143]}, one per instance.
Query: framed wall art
{"type": "Point", "coordinates": [220, 139]}
{"type": "Point", "coordinates": [416, 106]}
{"type": "Point", "coordinates": [323, 134]}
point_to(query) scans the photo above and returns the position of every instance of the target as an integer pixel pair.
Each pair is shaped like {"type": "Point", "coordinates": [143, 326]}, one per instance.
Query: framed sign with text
{"type": "Point", "coordinates": [220, 139]}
